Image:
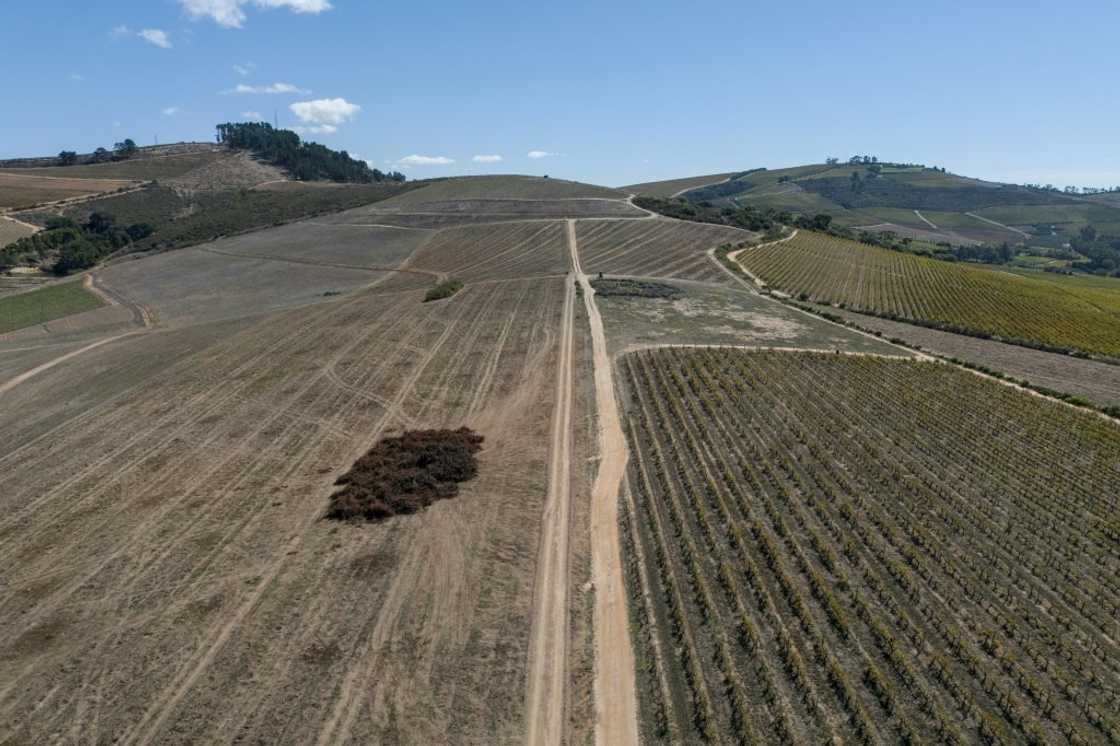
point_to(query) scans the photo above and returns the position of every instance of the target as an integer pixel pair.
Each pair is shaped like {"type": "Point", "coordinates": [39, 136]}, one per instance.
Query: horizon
{"type": "Point", "coordinates": [612, 96]}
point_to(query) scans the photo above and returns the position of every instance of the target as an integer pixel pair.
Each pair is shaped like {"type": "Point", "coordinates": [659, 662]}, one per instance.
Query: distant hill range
{"type": "Point", "coordinates": [909, 200]}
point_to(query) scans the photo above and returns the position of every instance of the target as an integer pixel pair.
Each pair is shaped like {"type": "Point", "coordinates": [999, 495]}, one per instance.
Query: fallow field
{"type": "Point", "coordinates": [27, 190]}
{"type": "Point", "coordinates": [828, 547]}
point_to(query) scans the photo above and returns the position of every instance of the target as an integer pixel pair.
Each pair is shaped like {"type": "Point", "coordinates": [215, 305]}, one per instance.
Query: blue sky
{"type": "Point", "coordinates": [608, 92]}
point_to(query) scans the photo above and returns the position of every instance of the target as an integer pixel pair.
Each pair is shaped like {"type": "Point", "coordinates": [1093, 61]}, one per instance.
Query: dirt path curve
{"type": "Point", "coordinates": [616, 699]}
{"type": "Point", "coordinates": [734, 256]}
{"type": "Point", "coordinates": [679, 192]}
{"type": "Point", "coordinates": [548, 640]}
{"type": "Point", "coordinates": [34, 228]}
{"type": "Point", "coordinates": [12, 383]}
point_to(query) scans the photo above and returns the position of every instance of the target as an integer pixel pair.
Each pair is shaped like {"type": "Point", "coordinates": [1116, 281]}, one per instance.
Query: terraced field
{"type": "Point", "coordinates": [654, 248]}
{"type": "Point", "coordinates": [867, 549]}
{"type": "Point", "coordinates": [1014, 307]}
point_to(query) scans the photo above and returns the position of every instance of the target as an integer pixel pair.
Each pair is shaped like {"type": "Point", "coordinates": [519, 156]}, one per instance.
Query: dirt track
{"type": "Point", "coordinates": [616, 703]}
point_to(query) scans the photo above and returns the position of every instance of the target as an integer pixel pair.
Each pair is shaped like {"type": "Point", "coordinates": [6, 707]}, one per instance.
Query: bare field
{"type": "Point", "coordinates": [189, 534]}
{"type": "Point", "coordinates": [721, 315]}
{"type": "Point", "coordinates": [24, 190]}
{"type": "Point", "coordinates": [654, 248]}
{"type": "Point", "coordinates": [260, 272]}
{"type": "Point", "coordinates": [504, 187]}
{"type": "Point", "coordinates": [494, 252]}
{"type": "Point", "coordinates": [11, 231]}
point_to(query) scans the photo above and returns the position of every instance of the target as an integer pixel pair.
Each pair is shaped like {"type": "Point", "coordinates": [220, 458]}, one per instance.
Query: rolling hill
{"type": "Point", "coordinates": [910, 200]}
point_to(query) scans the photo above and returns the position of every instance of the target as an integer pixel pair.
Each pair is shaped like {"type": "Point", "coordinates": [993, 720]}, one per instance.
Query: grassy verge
{"type": "Point", "coordinates": [46, 304]}
{"type": "Point", "coordinates": [443, 290]}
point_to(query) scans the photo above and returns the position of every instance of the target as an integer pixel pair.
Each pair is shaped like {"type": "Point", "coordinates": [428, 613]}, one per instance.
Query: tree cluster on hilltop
{"type": "Point", "coordinates": [306, 161]}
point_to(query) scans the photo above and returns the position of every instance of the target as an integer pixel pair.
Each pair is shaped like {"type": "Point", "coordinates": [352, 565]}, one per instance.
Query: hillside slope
{"type": "Point", "coordinates": [910, 200]}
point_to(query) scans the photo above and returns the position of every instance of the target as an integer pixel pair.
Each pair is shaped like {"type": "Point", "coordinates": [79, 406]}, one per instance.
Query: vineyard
{"type": "Point", "coordinates": [654, 248]}
{"type": "Point", "coordinates": [831, 548]}
{"type": "Point", "coordinates": [831, 270]}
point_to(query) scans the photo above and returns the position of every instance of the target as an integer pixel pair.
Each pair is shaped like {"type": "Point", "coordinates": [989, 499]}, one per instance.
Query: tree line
{"type": "Point", "coordinates": [122, 150]}
{"type": "Point", "coordinates": [305, 161]}
{"type": "Point", "coordinates": [70, 246]}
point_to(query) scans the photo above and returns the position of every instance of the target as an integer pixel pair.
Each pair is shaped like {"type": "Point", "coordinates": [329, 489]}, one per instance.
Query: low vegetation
{"type": "Point", "coordinates": [747, 218]}
{"type": "Point", "coordinates": [445, 289]}
{"type": "Point", "coordinates": [822, 556]}
{"type": "Point", "coordinates": [964, 299]}
{"type": "Point", "coordinates": [306, 161]}
{"type": "Point", "coordinates": [634, 289]}
{"type": "Point", "coordinates": [45, 304]}
{"type": "Point", "coordinates": [407, 474]}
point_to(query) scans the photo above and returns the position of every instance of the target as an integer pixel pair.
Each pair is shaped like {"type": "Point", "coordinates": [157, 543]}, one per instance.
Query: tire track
{"type": "Point", "coordinates": [548, 651]}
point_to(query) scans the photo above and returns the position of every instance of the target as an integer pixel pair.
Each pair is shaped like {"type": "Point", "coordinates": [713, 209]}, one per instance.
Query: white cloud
{"type": "Point", "coordinates": [538, 154]}
{"type": "Point", "coordinates": [254, 115]}
{"type": "Point", "coordinates": [318, 129]}
{"type": "Point", "coordinates": [156, 37]}
{"type": "Point", "coordinates": [425, 160]}
{"type": "Point", "coordinates": [273, 88]}
{"type": "Point", "coordinates": [77, 76]}
{"type": "Point", "coordinates": [171, 111]}
{"type": "Point", "coordinates": [246, 69]}
{"type": "Point", "coordinates": [120, 31]}
{"type": "Point", "coordinates": [231, 13]}
{"type": "Point", "coordinates": [487, 159]}
{"type": "Point", "coordinates": [334, 111]}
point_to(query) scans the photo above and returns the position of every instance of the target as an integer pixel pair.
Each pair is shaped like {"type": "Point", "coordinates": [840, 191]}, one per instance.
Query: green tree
{"type": "Point", "coordinates": [125, 148]}
{"type": "Point", "coordinates": [67, 158]}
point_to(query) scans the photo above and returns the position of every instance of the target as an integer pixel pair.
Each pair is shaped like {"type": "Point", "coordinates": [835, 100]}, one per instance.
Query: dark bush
{"type": "Point", "coordinates": [443, 290]}
{"type": "Point", "coordinates": [404, 475]}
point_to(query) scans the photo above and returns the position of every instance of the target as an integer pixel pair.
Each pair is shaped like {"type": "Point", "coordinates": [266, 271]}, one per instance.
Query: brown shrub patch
{"type": "Point", "coordinates": [407, 474]}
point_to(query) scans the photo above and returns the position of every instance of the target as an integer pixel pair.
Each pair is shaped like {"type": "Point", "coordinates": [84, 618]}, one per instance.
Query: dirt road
{"type": "Point", "coordinates": [1024, 234]}
{"type": "Point", "coordinates": [616, 708]}
{"type": "Point", "coordinates": [11, 384]}
{"type": "Point", "coordinates": [926, 220]}
{"type": "Point", "coordinates": [548, 646]}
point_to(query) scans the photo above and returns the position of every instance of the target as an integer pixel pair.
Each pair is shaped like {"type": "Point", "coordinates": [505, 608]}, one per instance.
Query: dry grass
{"type": "Point", "coordinates": [19, 191]}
